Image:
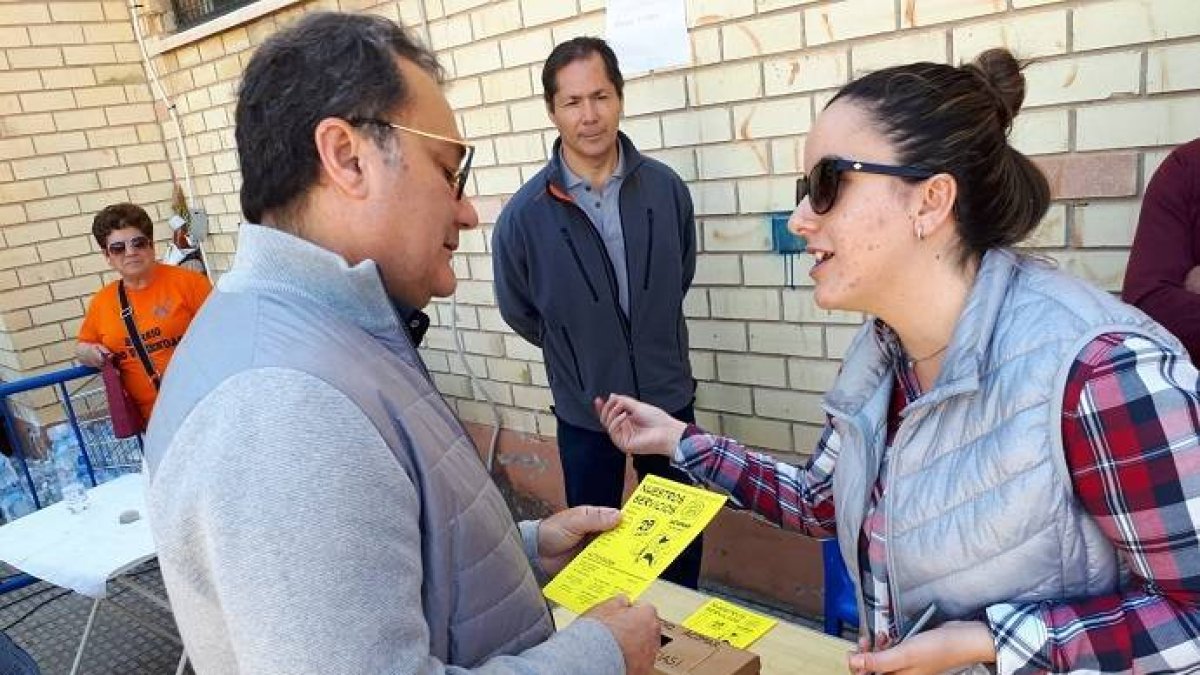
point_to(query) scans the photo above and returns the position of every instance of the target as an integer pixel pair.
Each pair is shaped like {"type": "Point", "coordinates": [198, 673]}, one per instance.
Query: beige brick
{"type": "Point", "coordinates": [10, 104]}
{"type": "Point", "coordinates": [1083, 78]}
{"type": "Point", "coordinates": [1026, 35]}
{"type": "Point", "coordinates": [1105, 223]}
{"type": "Point", "coordinates": [714, 198]}
{"type": "Point", "coordinates": [1105, 268]}
{"type": "Point", "coordinates": [1040, 132]}
{"type": "Point", "coordinates": [58, 34]}
{"type": "Point", "coordinates": [799, 307]}
{"type": "Point", "coordinates": [909, 47]}
{"type": "Point", "coordinates": [695, 127]}
{"type": "Point", "coordinates": [529, 115]}
{"type": "Point", "coordinates": [1173, 68]}
{"type": "Point", "coordinates": [36, 337]}
{"type": "Point", "coordinates": [8, 281]}
{"type": "Point", "coordinates": [22, 191]}
{"type": "Point", "coordinates": [44, 101]}
{"type": "Point", "coordinates": [752, 369]}
{"type": "Point", "coordinates": [25, 297]}
{"type": "Point", "coordinates": [46, 209]}
{"type": "Point", "coordinates": [788, 339]}
{"type": "Point", "coordinates": [35, 57]}
{"type": "Point", "coordinates": [518, 348]}
{"type": "Point", "coordinates": [73, 226]}
{"type": "Point", "coordinates": [65, 78]}
{"type": "Point", "coordinates": [17, 14]}
{"type": "Point", "coordinates": [123, 177]}
{"type": "Point", "coordinates": [35, 123]}
{"type": "Point", "coordinates": [17, 256]}
{"type": "Point", "coordinates": [811, 374]}
{"type": "Point", "coordinates": [73, 183]}
{"type": "Point", "coordinates": [456, 6]}
{"type": "Point", "coordinates": [110, 137]}
{"type": "Point", "coordinates": [744, 303]}
{"type": "Point", "coordinates": [12, 148]}
{"type": "Point", "coordinates": [645, 132]}
{"type": "Point", "coordinates": [536, 398]}
{"type": "Point", "coordinates": [537, 12]}
{"type": "Point", "coordinates": [728, 336]}
{"type": "Point", "coordinates": [695, 304]}
{"type": "Point", "coordinates": [495, 18]}
{"type": "Point", "coordinates": [480, 57]}
{"type": "Point", "coordinates": [1107, 24]}
{"type": "Point", "coordinates": [69, 120]}
{"type": "Point", "coordinates": [1052, 231]}
{"type": "Point", "coordinates": [720, 84]}
{"type": "Point", "coordinates": [506, 85]}
{"type": "Point", "coordinates": [75, 288]}
{"type": "Point", "coordinates": [11, 213]}
{"type": "Point", "coordinates": [45, 273]}
{"type": "Point", "coordinates": [768, 5]}
{"type": "Point", "coordinates": [706, 46]}
{"type": "Point", "coordinates": [89, 54]}
{"type": "Point", "coordinates": [736, 234]}
{"type": "Point", "coordinates": [725, 398]}
{"type": "Point", "coordinates": [13, 36]}
{"type": "Point", "coordinates": [108, 32]}
{"type": "Point", "coordinates": [837, 340]}
{"type": "Point", "coordinates": [927, 12]}
{"type": "Point", "coordinates": [1137, 123]}
{"type": "Point", "coordinates": [847, 19]}
{"type": "Point", "coordinates": [137, 154]}
{"type": "Point", "coordinates": [66, 248]}
{"type": "Point", "coordinates": [811, 70]}
{"type": "Point", "coordinates": [485, 121]}
{"type": "Point", "coordinates": [773, 117]}
{"type": "Point", "coordinates": [64, 12]}
{"type": "Point", "coordinates": [748, 158]}
{"type": "Point", "coordinates": [127, 53]}
{"type": "Point", "coordinates": [452, 32]}
{"type": "Point", "coordinates": [757, 432]}
{"type": "Point", "coordinates": [768, 35]}
{"type": "Point", "coordinates": [787, 155]}
{"type": "Point", "coordinates": [522, 148]}
{"type": "Point", "coordinates": [20, 81]}
{"type": "Point", "coordinates": [91, 159]}
{"type": "Point", "coordinates": [125, 73]}
{"type": "Point", "coordinates": [37, 167]}
{"type": "Point", "coordinates": [765, 195]}
{"type": "Point", "coordinates": [92, 97]}
{"type": "Point", "coordinates": [655, 94]}
{"type": "Point", "coordinates": [704, 12]}
{"type": "Point", "coordinates": [789, 405]}
{"type": "Point", "coordinates": [531, 46]}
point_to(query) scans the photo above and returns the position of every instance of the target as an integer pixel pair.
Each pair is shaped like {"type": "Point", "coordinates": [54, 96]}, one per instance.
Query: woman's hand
{"type": "Point", "coordinates": [564, 534]}
{"type": "Point", "coordinates": [953, 645]}
{"type": "Point", "coordinates": [639, 428]}
{"type": "Point", "coordinates": [91, 354]}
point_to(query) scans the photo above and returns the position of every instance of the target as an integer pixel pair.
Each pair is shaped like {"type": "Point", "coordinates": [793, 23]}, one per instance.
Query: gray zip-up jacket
{"type": "Point", "coordinates": [316, 505]}
{"type": "Point", "coordinates": [556, 287]}
{"type": "Point", "coordinates": [980, 506]}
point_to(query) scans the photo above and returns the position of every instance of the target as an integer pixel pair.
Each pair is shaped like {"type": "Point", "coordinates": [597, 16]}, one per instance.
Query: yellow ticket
{"type": "Point", "coordinates": [726, 621]}
{"type": "Point", "coordinates": [660, 519]}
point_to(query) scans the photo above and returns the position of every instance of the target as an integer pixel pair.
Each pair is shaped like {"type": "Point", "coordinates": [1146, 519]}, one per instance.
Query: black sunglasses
{"type": "Point", "coordinates": [821, 185]}
{"type": "Point", "coordinates": [135, 244]}
{"type": "Point", "coordinates": [458, 179]}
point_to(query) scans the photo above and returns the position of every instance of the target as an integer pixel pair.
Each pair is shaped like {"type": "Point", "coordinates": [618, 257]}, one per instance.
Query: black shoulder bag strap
{"type": "Point", "coordinates": [135, 337]}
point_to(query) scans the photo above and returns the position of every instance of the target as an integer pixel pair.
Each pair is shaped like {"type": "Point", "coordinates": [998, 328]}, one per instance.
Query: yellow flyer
{"type": "Point", "coordinates": [660, 519]}
{"type": "Point", "coordinates": [726, 621]}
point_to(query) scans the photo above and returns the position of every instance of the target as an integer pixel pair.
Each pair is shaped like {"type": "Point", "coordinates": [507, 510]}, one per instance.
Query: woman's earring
{"type": "Point", "coordinates": [920, 232]}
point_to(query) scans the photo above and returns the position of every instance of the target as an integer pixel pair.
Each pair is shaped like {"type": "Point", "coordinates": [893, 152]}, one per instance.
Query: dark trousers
{"type": "Point", "coordinates": [594, 474]}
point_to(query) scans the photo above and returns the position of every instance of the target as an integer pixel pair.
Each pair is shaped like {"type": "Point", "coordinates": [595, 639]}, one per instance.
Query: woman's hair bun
{"type": "Point", "coordinates": [1001, 72]}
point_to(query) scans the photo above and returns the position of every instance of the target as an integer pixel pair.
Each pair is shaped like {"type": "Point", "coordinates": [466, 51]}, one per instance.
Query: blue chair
{"type": "Point", "coordinates": [841, 605]}
{"type": "Point", "coordinates": [14, 660]}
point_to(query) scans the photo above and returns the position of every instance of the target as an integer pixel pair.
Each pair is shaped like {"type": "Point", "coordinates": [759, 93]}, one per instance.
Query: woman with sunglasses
{"type": "Point", "coordinates": [163, 299]}
{"type": "Point", "coordinates": [1005, 443]}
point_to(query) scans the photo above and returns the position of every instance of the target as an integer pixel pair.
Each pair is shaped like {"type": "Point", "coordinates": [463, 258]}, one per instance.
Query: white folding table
{"type": "Point", "coordinates": [84, 551]}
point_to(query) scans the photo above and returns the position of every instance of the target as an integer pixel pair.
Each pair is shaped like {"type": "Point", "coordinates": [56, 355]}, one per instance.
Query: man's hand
{"type": "Point", "coordinates": [1192, 281]}
{"type": "Point", "coordinates": [91, 353]}
{"type": "Point", "coordinates": [564, 534]}
{"type": "Point", "coordinates": [953, 645]}
{"type": "Point", "coordinates": [636, 630]}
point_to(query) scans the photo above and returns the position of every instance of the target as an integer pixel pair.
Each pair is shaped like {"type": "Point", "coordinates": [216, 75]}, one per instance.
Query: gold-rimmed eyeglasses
{"type": "Point", "coordinates": [458, 179]}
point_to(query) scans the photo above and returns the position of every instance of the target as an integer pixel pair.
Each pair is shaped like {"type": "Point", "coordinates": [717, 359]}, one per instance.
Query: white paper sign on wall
{"type": "Point", "coordinates": [647, 34]}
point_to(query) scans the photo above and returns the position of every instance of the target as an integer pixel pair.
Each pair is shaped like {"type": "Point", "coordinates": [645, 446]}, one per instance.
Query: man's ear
{"type": "Point", "coordinates": [935, 209]}
{"type": "Point", "coordinates": [339, 151]}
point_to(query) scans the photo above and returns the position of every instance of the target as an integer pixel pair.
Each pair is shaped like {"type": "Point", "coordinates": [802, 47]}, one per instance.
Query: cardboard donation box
{"type": "Point", "coordinates": [685, 652]}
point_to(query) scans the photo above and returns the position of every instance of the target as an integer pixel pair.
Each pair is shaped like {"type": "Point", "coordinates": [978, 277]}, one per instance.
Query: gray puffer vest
{"type": "Point", "coordinates": [979, 507]}
{"type": "Point", "coordinates": [296, 309]}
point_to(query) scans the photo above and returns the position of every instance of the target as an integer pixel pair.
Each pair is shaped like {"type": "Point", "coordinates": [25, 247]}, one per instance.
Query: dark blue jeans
{"type": "Point", "coordinates": [594, 474]}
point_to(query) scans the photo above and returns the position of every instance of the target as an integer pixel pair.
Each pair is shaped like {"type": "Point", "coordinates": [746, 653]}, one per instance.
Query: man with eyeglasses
{"type": "Point", "coordinates": [592, 258]}
{"type": "Point", "coordinates": [162, 300]}
{"type": "Point", "coordinates": [316, 504]}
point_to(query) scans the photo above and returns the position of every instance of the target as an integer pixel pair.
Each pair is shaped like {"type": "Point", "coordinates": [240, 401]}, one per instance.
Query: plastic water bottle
{"type": "Point", "coordinates": [67, 458]}
{"type": "Point", "coordinates": [14, 500]}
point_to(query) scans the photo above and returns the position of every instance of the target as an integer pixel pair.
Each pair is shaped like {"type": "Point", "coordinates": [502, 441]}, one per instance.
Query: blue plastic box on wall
{"type": "Point", "coordinates": [787, 244]}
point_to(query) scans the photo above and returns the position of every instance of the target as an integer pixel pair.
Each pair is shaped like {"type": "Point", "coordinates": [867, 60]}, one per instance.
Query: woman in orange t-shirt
{"type": "Point", "coordinates": [164, 300]}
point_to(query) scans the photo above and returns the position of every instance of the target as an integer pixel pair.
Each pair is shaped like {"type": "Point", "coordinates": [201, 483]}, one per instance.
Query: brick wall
{"type": "Point", "coordinates": [1115, 84]}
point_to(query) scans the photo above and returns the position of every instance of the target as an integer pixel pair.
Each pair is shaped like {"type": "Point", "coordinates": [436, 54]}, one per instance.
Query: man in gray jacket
{"type": "Point", "coordinates": [317, 506]}
{"type": "Point", "coordinates": [592, 258]}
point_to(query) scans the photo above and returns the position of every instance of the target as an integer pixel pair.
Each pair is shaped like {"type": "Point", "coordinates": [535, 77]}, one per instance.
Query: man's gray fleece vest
{"type": "Point", "coordinates": [479, 594]}
{"type": "Point", "coordinates": [983, 447]}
